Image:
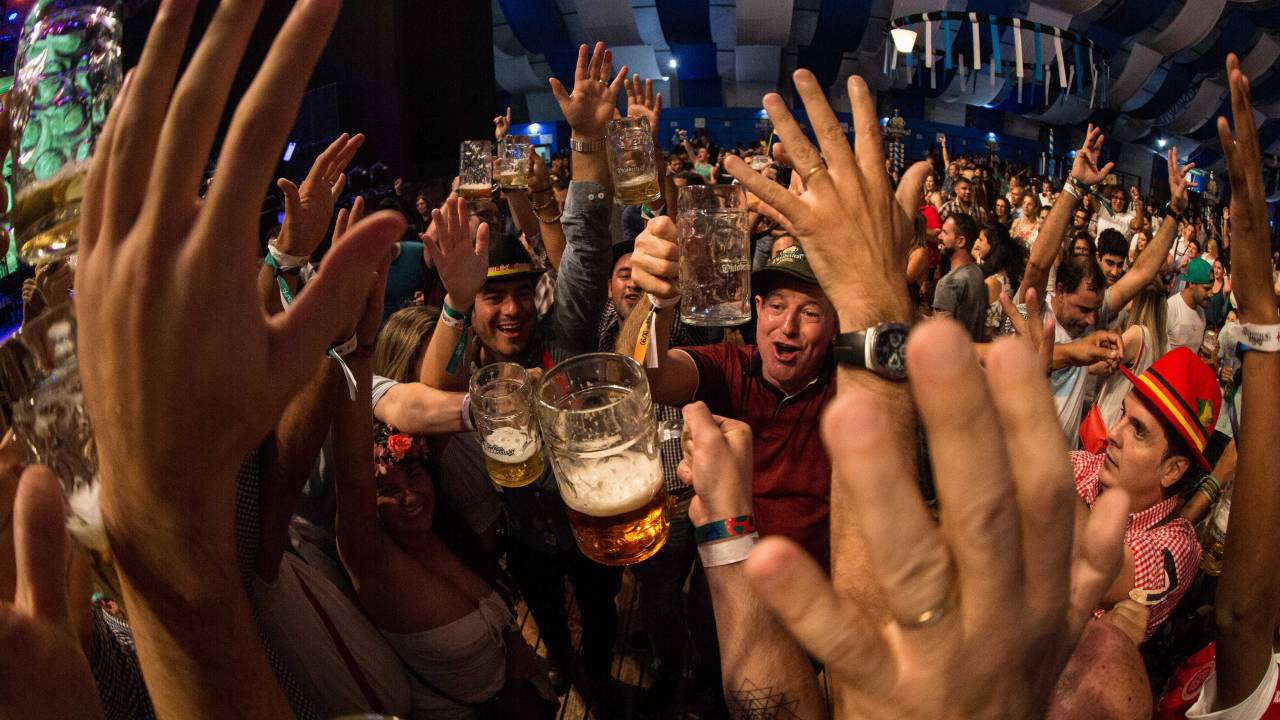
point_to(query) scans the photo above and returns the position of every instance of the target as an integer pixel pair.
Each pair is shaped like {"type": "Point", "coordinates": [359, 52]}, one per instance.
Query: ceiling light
{"type": "Point", "coordinates": [904, 39]}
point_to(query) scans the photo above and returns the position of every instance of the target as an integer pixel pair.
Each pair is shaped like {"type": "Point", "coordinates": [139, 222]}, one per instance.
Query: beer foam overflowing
{"type": "Point", "coordinates": [613, 484]}
{"type": "Point", "coordinates": [509, 445]}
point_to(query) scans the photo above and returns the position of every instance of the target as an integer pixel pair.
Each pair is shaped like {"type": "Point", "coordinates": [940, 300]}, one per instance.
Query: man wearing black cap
{"type": "Point", "coordinates": [778, 385]}
{"type": "Point", "coordinates": [495, 301]}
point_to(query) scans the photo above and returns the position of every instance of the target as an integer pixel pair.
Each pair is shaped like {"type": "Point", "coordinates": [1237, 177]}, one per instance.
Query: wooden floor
{"type": "Point", "coordinates": [631, 670]}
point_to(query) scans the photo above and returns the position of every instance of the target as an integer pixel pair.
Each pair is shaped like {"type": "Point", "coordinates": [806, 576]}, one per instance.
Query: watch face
{"type": "Point", "coordinates": [890, 351]}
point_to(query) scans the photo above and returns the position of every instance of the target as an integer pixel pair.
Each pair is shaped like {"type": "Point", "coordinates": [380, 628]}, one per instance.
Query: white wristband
{"type": "Point", "coordinates": [662, 303]}
{"type": "Point", "coordinates": [727, 551]}
{"type": "Point", "coordinates": [1263, 338]}
{"type": "Point", "coordinates": [284, 260]}
{"type": "Point", "coordinates": [347, 347]}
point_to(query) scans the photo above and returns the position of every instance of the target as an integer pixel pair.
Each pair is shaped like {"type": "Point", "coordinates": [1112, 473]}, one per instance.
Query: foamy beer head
{"type": "Point", "coordinates": [598, 426]}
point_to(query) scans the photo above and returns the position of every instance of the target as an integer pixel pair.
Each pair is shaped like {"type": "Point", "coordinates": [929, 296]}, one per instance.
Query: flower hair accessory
{"type": "Point", "coordinates": [392, 447]}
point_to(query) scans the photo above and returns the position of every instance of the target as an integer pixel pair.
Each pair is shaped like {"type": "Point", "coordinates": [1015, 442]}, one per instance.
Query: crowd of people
{"type": "Point", "coordinates": [985, 426]}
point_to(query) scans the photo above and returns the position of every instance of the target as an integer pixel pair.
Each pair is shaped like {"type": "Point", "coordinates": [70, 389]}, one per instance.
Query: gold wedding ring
{"type": "Point", "coordinates": [932, 616]}
{"type": "Point", "coordinates": [811, 171]}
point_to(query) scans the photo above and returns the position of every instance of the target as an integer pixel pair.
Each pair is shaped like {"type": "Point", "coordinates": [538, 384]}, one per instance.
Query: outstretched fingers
{"type": "Point", "coordinates": [39, 543]}
{"type": "Point", "coordinates": [832, 628]}
{"type": "Point", "coordinates": [262, 121]}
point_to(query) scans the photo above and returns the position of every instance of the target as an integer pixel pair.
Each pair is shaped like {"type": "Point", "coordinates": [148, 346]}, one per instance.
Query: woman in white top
{"type": "Point", "coordinates": [1027, 224]}
{"type": "Point", "coordinates": [1003, 261]}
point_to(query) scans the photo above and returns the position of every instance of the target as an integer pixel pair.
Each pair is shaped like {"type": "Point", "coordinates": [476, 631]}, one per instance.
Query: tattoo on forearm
{"type": "Point", "coordinates": [753, 702]}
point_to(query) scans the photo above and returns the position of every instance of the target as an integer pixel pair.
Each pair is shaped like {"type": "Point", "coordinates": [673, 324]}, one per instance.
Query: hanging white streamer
{"type": "Point", "coordinates": [928, 42]}
{"type": "Point", "coordinates": [1093, 80]}
{"type": "Point", "coordinates": [991, 67]}
{"type": "Point", "coordinates": [1071, 78]}
{"type": "Point", "coordinates": [893, 63]}
{"type": "Point", "coordinates": [886, 58]}
{"type": "Point", "coordinates": [1062, 66]}
{"type": "Point", "coordinates": [1017, 53]}
{"type": "Point", "coordinates": [977, 43]}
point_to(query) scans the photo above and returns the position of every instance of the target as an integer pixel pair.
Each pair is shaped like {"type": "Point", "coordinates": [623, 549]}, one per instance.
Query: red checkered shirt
{"type": "Point", "coordinates": [1166, 553]}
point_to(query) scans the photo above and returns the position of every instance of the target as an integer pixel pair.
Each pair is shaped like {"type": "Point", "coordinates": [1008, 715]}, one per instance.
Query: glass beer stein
{"type": "Point", "coordinates": [41, 397]}
{"type": "Point", "coordinates": [715, 255]}
{"type": "Point", "coordinates": [597, 420]}
{"type": "Point", "coordinates": [68, 72]}
{"type": "Point", "coordinates": [502, 403]}
{"type": "Point", "coordinates": [631, 160]}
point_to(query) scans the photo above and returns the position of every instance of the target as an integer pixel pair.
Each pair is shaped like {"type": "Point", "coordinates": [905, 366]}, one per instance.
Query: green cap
{"type": "Point", "coordinates": [1198, 272]}
{"type": "Point", "coordinates": [790, 262]}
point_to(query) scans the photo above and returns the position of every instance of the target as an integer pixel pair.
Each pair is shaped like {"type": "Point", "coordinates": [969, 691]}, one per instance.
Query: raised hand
{"type": "Point", "coordinates": [52, 679]}
{"type": "Point", "coordinates": [1085, 168]}
{"type": "Point", "coordinates": [986, 608]}
{"type": "Point", "coordinates": [717, 463]}
{"type": "Point", "coordinates": [1249, 229]}
{"type": "Point", "coordinates": [501, 124]}
{"type": "Point", "coordinates": [854, 231]}
{"type": "Point", "coordinates": [463, 268]}
{"type": "Point", "coordinates": [308, 207]}
{"type": "Point", "coordinates": [591, 105]}
{"type": "Point", "coordinates": [642, 102]}
{"type": "Point", "coordinates": [539, 178]}
{"type": "Point", "coordinates": [1033, 328]}
{"type": "Point", "coordinates": [166, 287]}
{"type": "Point", "coordinates": [1178, 181]}
{"type": "Point", "coordinates": [655, 261]}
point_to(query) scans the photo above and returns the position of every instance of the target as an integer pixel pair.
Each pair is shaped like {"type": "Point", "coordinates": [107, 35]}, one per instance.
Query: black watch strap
{"type": "Point", "coordinates": [851, 348]}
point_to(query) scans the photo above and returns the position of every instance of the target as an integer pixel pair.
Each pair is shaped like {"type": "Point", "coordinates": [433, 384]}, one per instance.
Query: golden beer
{"type": "Point", "coordinates": [475, 191]}
{"type": "Point", "coordinates": [46, 215]}
{"type": "Point", "coordinates": [617, 505]}
{"type": "Point", "coordinates": [512, 457]}
{"type": "Point", "coordinates": [513, 180]}
{"type": "Point", "coordinates": [636, 191]}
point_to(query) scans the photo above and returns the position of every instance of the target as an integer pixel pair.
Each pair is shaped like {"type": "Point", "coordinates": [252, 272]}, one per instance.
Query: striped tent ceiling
{"type": "Point", "coordinates": [1165, 56]}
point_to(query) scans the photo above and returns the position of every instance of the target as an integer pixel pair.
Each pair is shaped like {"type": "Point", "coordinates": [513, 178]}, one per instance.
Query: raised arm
{"type": "Point", "coordinates": [209, 377]}
{"type": "Point", "coordinates": [542, 200]}
{"type": "Point", "coordinates": [763, 671]}
{"type": "Point", "coordinates": [1152, 259]}
{"type": "Point", "coordinates": [463, 268]}
{"type": "Point", "coordinates": [583, 279]}
{"type": "Point", "coordinates": [1249, 589]}
{"type": "Point", "coordinates": [856, 233]}
{"type": "Point", "coordinates": [1084, 172]}
{"type": "Point", "coordinates": [654, 269]}
{"type": "Point", "coordinates": [361, 542]}
{"type": "Point", "coordinates": [420, 409]}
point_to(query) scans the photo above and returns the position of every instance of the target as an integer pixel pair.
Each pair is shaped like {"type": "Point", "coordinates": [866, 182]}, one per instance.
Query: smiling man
{"type": "Point", "coordinates": [778, 386]}
{"type": "Point", "coordinates": [1153, 453]}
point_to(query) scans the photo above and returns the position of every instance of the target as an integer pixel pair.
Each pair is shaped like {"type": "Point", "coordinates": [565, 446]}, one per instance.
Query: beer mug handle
{"type": "Point", "coordinates": [669, 430]}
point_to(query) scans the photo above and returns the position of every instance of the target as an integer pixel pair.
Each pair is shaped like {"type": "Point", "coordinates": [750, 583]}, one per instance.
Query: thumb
{"type": "Point", "coordinates": [291, 199]}
{"type": "Point", "coordinates": [39, 544]}
{"type": "Point", "coordinates": [301, 335]}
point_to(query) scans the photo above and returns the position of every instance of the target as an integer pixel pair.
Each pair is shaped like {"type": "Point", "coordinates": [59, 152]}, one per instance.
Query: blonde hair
{"type": "Point", "coordinates": [402, 340]}
{"type": "Point", "coordinates": [1150, 310]}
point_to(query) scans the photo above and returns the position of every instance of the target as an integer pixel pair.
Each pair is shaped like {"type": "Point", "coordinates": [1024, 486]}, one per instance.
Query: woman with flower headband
{"type": "Point", "coordinates": [442, 615]}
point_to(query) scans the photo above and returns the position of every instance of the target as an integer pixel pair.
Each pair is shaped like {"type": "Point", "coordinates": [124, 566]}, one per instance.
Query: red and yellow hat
{"type": "Point", "coordinates": [1185, 392]}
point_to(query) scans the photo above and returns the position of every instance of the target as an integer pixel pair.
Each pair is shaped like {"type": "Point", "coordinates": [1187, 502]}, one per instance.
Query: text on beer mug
{"type": "Point", "coordinates": [502, 404]}
{"type": "Point", "coordinates": [631, 160]}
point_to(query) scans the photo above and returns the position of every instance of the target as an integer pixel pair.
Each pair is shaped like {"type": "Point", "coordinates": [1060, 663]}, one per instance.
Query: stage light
{"type": "Point", "coordinates": [12, 16]}
{"type": "Point", "coordinates": [534, 128]}
{"type": "Point", "coordinates": [673, 64]}
{"type": "Point", "coordinates": [904, 39]}
{"type": "Point", "coordinates": [288, 151]}
{"type": "Point", "coordinates": [1161, 142]}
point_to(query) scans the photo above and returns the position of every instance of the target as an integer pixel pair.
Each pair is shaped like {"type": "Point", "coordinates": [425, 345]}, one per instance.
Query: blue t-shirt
{"type": "Point", "coordinates": [404, 278]}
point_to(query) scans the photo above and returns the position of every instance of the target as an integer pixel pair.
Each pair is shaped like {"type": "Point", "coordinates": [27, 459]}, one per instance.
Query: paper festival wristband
{"type": "Point", "coordinates": [286, 299]}
{"type": "Point", "coordinates": [728, 551]}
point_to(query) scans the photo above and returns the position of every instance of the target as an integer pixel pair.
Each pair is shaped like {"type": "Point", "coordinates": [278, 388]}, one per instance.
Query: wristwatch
{"type": "Point", "coordinates": [588, 146]}
{"type": "Point", "coordinates": [882, 349]}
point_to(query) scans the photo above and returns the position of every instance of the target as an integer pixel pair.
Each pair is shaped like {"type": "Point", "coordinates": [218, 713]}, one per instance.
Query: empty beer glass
{"type": "Point", "coordinates": [502, 404]}
{"type": "Point", "coordinates": [68, 72]}
{"type": "Point", "coordinates": [715, 255]}
{"type": "Point", "coordinates": [597, 420]}
{"type": "Point", "coordinates": [41, 398]}
{"type": "Point", "coordinates": [631, 160]}
{"type": "Point", "coordinates": [475, 169]}
{"type": "Point", "coordinates": [513, 167]}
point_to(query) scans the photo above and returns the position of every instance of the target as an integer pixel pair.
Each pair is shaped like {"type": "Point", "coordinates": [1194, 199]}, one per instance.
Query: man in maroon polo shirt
{"type": "Point", "coordinates": [778, 386]}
